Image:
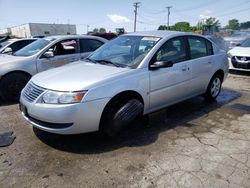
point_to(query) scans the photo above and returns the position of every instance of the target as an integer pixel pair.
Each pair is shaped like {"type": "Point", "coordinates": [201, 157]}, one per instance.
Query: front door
{"type": "Point", "coordinates": [169, 85]}
{"type": "Point", "coordinates": [65, 52]}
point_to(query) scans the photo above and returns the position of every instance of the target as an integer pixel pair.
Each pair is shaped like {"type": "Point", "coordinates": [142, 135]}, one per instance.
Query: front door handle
{"type": "Point", "coordinates": [185, 68]}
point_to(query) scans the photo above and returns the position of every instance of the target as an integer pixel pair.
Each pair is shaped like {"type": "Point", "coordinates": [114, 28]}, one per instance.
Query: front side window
{"type": "Point", "coordinates": [198, 47]}
{"type": "Point", "coordinates": [125, 50]}
{"type": "Point", "coordinates": [33, 48]}
{"type": "Point", "coordinates": [174, 50]}
{"type": "Point", "coordinates": [89, 45]}
{"type": "Point", "coordinates": [64, 47]}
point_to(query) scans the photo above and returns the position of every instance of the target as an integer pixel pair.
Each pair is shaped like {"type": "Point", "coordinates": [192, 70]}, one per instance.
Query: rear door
{"type": "Point", "coordinates": [88, 45]}
{"type": "Point", "coordinates": [169, 85]}
{"type": "Point", "coordinates": [201, 54]}
{"type": "Point", "coordinates": [65, 51]}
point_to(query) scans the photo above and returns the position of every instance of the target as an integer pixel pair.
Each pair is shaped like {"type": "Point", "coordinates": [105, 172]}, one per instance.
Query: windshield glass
{"type": "Point", "coordinates": [125, 50]}
{"type": "Point", "coordinates": [245, 43]}
{"type": "Point", "coordinates": [33, 48]}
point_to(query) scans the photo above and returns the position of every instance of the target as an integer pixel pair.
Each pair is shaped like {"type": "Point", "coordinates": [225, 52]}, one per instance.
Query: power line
{"type": "Point", "coordinates": [242, 10]}
{"type": "Point", "coordinates": [136, 5]}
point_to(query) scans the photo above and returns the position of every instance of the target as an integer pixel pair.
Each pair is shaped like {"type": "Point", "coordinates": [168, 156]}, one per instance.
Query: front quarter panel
{"type": "Point", "coordinates": [27, 65]}
{"type": "Point", "coordinates": [135, 80]}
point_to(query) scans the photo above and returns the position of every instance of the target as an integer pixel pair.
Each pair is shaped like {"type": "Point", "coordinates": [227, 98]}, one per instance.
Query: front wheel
{"type": "Point", "coordinates": [119, 115]}
{"type": "Point", "coordinates": [214, 87]}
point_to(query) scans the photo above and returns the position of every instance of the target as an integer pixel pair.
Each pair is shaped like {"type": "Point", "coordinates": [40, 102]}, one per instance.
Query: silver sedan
{"type": "Point", "coordinates": [128, 77]}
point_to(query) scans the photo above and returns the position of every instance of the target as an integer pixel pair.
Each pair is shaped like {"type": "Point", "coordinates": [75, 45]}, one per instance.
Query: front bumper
{"type": "Point", "coordinates": [64, 119]}
{"type": "Point", "coordinates": [232, 67]}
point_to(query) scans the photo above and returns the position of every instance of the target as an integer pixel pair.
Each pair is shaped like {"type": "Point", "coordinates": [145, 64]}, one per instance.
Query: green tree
{"type": "Point", "coordinates": [182, 26]}
{"type": "Point", "coordinates": [233, 24]}
{"type": "Point", "coordinates": [162, 27]}
{"type": "Point", "coordinates": [245, 25]}
{"type": "Point", "coordinates": [212, 22]}
{"type": "Point", "coordinates": [95, 30]}
{"type": "Point", "coordinates": [102, 30]}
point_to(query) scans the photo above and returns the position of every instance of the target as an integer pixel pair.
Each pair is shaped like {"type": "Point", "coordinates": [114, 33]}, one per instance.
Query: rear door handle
{"type": "Point", "coordinates": [209, 62]}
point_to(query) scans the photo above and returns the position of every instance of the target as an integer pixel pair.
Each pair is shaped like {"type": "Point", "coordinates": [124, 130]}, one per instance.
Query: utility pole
{"type": "Point", "coordinates": [136, 5]}
{"type": "Point", "coordinates": [169, 7]}
{"type": "Point", "coordinates": [87, 28]}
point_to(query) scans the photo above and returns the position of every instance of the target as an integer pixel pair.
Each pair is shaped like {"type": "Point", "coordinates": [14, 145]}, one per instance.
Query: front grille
{"type": "Point", "coordinates": [241, 65]}
{"type": "Point", "coordinates": [31, 92]}
{"type": "Point", "coordinates": [242, 57]}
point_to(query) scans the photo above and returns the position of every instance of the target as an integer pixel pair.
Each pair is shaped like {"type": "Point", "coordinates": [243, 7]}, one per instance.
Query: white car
{"type": "Point", "coordinates": [239, 57]}
{"type": "Point", "coordinates": [130, 76]}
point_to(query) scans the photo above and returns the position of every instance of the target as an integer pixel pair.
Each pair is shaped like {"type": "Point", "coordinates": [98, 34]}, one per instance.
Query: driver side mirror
{"type": "Point", "coordinates": [161, 64]}
{"type": "Point", "coordinates": [7, 50]}
{"type": "Point", "coordinates": [238, 44]}
{"type": "Point", "coordinates": [48, 54]}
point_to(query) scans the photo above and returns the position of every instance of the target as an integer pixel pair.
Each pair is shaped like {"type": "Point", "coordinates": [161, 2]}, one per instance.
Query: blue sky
{"type": "Point", "coordinates": [112, 14]}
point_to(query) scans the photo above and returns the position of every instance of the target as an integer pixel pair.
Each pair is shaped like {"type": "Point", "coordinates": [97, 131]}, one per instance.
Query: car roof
{"type": "Point", "coordinates": [56, 37]}
{"type": "Point", "coordinates": [160, 34]}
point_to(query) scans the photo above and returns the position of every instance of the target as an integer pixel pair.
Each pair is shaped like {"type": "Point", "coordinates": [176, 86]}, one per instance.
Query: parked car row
{"type": "Point", "coordinates": [130, 76]}
{"type": "Point", "coordinates": [41, 55]}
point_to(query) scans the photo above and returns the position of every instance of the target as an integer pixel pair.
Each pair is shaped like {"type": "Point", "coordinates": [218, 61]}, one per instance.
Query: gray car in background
{"type": "Point", "coordinates": [12, 45]}
{"type": "Point", "coordinates": [41, 55]}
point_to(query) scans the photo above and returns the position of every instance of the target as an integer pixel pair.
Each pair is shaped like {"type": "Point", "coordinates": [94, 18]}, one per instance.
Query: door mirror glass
{"type": "Point", "coordinates": [7, 51]}
{"type": "Point", "coordinates": [161, 64]}
{"type": "Point", "coordinates": [48, 54]}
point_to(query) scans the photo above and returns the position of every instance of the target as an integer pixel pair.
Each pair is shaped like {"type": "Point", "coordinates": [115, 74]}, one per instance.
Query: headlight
{"type": "Point", "coordinates": [229, 55]}
{"type": "Point", "coordinates": [53, 97]}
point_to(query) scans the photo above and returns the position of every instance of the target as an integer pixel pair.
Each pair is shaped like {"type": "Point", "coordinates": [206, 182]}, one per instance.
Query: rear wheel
{"type": "Point", "coordinates": [119, 114]}
{"type": "Point", "coordinates": [214, 87]}
{"type": "Point", "coordinates": [12, 84]}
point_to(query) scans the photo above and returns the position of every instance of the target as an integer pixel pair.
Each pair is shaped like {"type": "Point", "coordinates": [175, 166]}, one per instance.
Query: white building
{"type": "Point", "coordinates": [40, 29]}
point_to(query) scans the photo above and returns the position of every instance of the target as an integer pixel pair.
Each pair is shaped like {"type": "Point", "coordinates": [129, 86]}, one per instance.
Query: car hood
{"type": "Point", "coordinates": [234, 39]}
{"type": "Point", "coordinates": [76, 76]}
{"type": "Point", "coordinates": [5, 59]}
{"type": "Point", "coordinates": [240, 51]}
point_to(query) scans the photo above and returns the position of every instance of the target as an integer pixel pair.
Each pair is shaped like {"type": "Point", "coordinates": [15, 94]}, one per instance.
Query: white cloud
{"type": "Point", "coordinates": [206, 14]}
{"type": "Point", "coordinates": [118, 19]}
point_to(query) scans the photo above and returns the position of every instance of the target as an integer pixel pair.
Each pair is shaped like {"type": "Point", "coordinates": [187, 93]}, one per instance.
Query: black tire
{"type": "Point", "coordinates": [214, 87]}
{"type": "Point", "coordinates": [12, 84]}
{"type": "Point", "coordinates": [119, 115]}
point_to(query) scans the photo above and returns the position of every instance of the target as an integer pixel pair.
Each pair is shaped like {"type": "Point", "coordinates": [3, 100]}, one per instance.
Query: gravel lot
{"type": "Point", "coordinates": [191, 144]}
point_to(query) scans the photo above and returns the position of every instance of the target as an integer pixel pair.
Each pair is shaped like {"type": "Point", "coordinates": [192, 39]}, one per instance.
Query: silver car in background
{"type": "Point", "coordinates": [10, 46]}
{"type": "Point", "coordinates": [130, 76]}
{"type": "Point", "coordinates": [41, 55]}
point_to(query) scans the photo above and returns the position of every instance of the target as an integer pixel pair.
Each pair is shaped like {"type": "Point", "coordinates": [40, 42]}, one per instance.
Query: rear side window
{"type": "Point", "coordinates": [173, 50]}
{"type": "Point", "coordinates": [89, 45]}
{"type": "Point", "coordinates": [199, 47]}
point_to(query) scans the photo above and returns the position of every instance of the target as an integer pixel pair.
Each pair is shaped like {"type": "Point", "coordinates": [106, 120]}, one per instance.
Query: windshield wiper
{"type": "Point", "coordinates": [108, 62]}
{"type": "Point", "coordinates": [91, 60]}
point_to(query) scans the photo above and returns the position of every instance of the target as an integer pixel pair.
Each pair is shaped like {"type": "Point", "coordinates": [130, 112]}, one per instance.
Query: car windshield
{"type": "Point", "coordinates": [33, 48]}
{"type": "Point", "coordinates": [245, 43]}
{"type": "Point", "coordinates": [124, 51]}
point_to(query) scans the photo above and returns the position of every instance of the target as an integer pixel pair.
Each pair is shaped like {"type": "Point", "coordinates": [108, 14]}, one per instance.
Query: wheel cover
{"type": "Point", "coordinates": [215, 87]}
